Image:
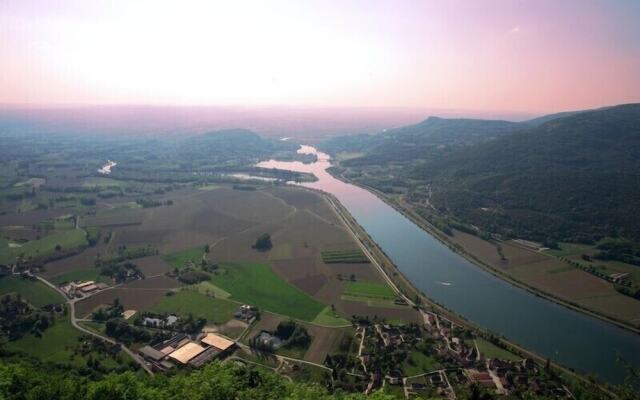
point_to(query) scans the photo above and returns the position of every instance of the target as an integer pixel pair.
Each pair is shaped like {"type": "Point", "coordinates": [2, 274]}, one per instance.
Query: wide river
{"type": "Point", "coordinates": [569, 337]}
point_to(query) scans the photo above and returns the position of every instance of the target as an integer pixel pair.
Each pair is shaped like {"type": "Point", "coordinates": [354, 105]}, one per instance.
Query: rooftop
{"type": "Point", "coordinates": [187, 352]}
{"type": "Point", "coordinates": [217, 341]}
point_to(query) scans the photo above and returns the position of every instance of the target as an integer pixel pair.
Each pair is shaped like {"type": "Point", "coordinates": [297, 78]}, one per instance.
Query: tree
{"type": "Point", "coordinates": [263, 243]}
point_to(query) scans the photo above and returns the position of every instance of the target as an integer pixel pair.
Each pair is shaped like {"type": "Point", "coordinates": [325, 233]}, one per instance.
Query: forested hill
{"type": "Point", "coordinates": [575, 176]}
{"type": "Point", "coordinates": [424, 137]}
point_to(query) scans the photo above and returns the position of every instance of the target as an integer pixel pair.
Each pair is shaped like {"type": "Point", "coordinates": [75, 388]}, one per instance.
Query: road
{"type": "Point", "coordinates": [74, 323]}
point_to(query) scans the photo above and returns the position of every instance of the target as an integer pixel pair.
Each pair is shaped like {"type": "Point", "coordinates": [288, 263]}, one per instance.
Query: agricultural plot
{"type": "Point", "coordinates": [35, 292]}
{"type": "Point", "coordinates": [355, 256]}
{"type": "Point", "coordinates": [257, 284]}
{"type": "Point", "coordinates": [90, 274]}
{"type": "Point", "coordinates": [46, 246]}
{"type": "Point", "coordinates": [185, 302]}
{"type": "Point", "coordinates": [329, 317]}
{"type": "Point", "coordinates": [183, 258]}
{"type": "Point", "coordinates": [58, 344]}
{"type": "Point", "coordinates": [369, 290]}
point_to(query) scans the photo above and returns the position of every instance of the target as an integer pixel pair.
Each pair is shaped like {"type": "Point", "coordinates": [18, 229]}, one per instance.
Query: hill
{"type": "Point", "coordinates": [573, 177]}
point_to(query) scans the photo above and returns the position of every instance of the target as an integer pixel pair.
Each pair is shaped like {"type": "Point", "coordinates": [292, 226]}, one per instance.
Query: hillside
{"type": "Point", "coordinates": [573, 177]}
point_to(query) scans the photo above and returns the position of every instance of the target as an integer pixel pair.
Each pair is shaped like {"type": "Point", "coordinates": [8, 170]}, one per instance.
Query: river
{"type": "Point", "coordinates": [574, 339]}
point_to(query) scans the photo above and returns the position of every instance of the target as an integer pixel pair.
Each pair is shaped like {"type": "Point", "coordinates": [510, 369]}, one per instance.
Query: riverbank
{"type": "Point", "coordinates": [401, 284]}
{"type": "Point", "coordinates": [411, 215]}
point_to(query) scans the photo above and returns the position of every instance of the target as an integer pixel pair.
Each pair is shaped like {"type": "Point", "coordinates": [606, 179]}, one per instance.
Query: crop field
{"type": "Point", "coordinates": [90, 274]}
{"type": "Point", "coordinates": [549, 274]}
{"type": "Point", "coordinates": [139, 299]}
{"type": "Point", "coordinates": [328, 317]}
{"type": "Point", "coordinates": [577, 286]}
{"type": "Point", "coordinates": [183, 258]}
{"type": "Point", "coordinates": [185, 302]}
{"type": "Point", "coordinates": [35, 292]}
{"type": "Point", "coordinates": [257, 284]}
{"type": "Point", "coordinates": [344, 256]}
{"type": "Point", "coordinates": [69, 239]}
{"type": "Point", "coordinates": [369, 290]}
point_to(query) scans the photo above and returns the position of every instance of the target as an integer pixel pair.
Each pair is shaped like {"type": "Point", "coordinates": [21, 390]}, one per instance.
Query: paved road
{"type": "Point", "coordinates": [74, 323]}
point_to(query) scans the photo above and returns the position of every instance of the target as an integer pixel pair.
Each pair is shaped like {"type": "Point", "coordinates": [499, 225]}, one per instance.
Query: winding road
{"type": "Point", "coordinates": [74, 323]}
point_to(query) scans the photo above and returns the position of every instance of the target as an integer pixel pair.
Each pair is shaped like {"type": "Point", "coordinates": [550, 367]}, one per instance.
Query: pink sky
{"type": "Point", "coordinates": [522, 56]}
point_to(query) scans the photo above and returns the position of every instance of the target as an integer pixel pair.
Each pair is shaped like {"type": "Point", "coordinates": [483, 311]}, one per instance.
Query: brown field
{"type": "Point", "coordinates": [30, 217]}
{"type": "Point", "coordinates": [84, 260]}
{"type": "Point", "coordinates": [19, 232]}
{"type": "Point", "coordinates": [404, 313]}
{"type": "Point", "coordinates": [152, 266]}
{"type": "Point", "coordinates": [554, 276]}
{"type": "Point", "coordinates": [131, 300]}
{"type": "Point", "coordinates": [324, 341]}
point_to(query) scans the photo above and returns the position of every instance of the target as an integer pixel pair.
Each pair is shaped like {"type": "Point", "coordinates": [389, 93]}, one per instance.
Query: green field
{"type": "Point", "coordinates": [329, 318]}
{"type": "Point", "coordinates": [46, 246]}
{"type": "Point", "coordinates": [89, 274]}
{"type": "Point", "coordinates": [181, 258]}
{"type": "Point", "coordinates": [54, 345]}
{"type": "Point", "coordinates": [344, 256]}
{"type": "Point", "coordinates": [568, 249]}
{"type": "Point", "coordinates": [207, 287]}
{"type": "Point", "coordinates": [185, 302]}
{"type": "Point", "coordinates": [490, 350]}
{"type": "Point", "coordinates": [104, 182]}
{"type": "Point", "coordinates": [418, 363]}
{"type": "Point", "coordinates": [369, 289]}
{"type": "Point", "coordinates": [35, 292]}
{"type": "Point", "coordinates": [57, 344]}
{"type": "Point", "coordinates": [258, 285]}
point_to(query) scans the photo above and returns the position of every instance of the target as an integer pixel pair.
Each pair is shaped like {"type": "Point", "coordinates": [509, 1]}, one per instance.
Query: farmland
{"type": "Point", "coordinates": [344, 256]}
{"type": "Point", "coordinates": [46, 246]}
{"type": "Point", "coordinates": [257, 284]}
{"type": "Point", "coordinates": [185, 302]}
{"type": "Point", "coordinates": [33, 291]}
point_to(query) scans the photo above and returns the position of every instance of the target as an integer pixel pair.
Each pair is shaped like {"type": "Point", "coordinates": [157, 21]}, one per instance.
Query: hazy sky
{"type": "Point", "coordinates": [529, 56]}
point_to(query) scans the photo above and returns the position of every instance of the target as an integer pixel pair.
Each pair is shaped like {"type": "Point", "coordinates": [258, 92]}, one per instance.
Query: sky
{"type": "Point", "coordinates": [521, 56]}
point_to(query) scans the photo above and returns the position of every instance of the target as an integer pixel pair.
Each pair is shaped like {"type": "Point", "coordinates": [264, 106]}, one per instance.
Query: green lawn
{"type": "Point", "coordinates": [369, 289]}
{"type": "Point", "coordinates": [35, 292]}
{"type": "Point", "coordinates": [329, 318]}
{"type": "Point", "coordinates": [89, 274]}
{"type": "Point", "coordinates": [180, 258]}
{"type": "Point", "coordinates": [490, 350]}
{"type": "Point", "coordinates": [258, 285]}
{"type": "Point", "coordinates": [69, 239]}
{"type": "Point", "coordinates": [184, 302]}
{"type": "Point", "coordinates": [418, 363]}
